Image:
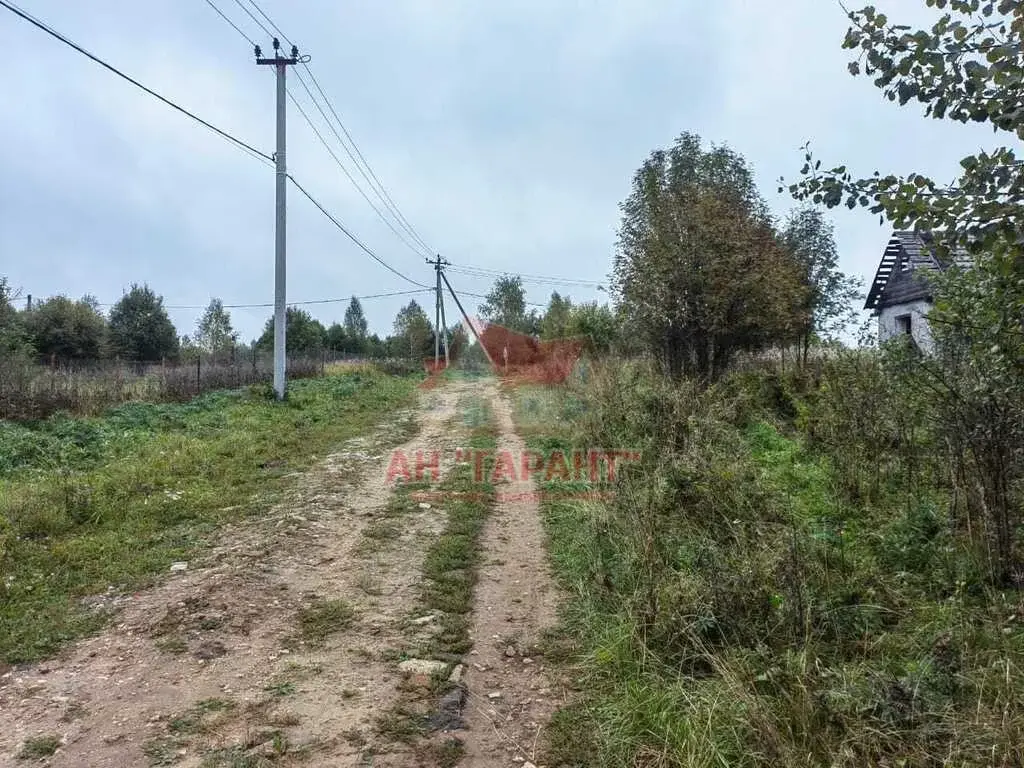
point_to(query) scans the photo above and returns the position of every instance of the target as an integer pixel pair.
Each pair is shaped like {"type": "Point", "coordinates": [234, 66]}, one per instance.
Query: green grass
{"type": "Point", "coordinates": [323, 618]}
{"type": "Point", "coordinates": [38, 747]}
{"type": "Point", "coordinates": [733, 606]}
{"type": "Point", "coordinates": [450, 566]}
{"type": "Point", "coordinates": [90, 503]}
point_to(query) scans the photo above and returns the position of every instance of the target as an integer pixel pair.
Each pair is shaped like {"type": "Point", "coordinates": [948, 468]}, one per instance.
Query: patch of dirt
{"type": "Point", "coordinates": [512, 691]}
{"type": "Point", "coordinates": [282, 644]}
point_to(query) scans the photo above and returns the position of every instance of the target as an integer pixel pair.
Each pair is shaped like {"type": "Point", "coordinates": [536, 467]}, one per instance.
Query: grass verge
{"type": "Point", "coordinates": [89, 504]}
{"type": "Point", "coordinates": [732, 605]}
{"type": "Point", "coordinates": [450, 566]}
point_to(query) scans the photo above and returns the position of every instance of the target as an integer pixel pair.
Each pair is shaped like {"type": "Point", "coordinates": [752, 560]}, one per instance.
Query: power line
{"type": "Point", "coordinates": [491, 274]}
{"type": "Point", "coordinates": [229, 21]}
{"type": "Point", "coordinates": [352, 237]}
{"type": "Point", "coordinates": [373, 180]}
{"type": "Point", "coordinates": [484, 296]}
{"type": "Point", "coordinates": [341, 165]}
{"type": "Point", "coordinates": [383, 192]}
{"type": "Point", "coordinates": [305, 116]}
{"type": "Point", "coordinates": [259, 23]}
{"type": "Point", "coordinates": [270, 21]}
{"type": "Point", "coordinates": [292, 303]}
{"type": "Point", "coordinates": [70, 43]}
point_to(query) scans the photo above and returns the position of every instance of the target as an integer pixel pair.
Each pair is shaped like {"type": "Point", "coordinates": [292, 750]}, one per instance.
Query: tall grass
{"type": "Point", "coordinates": [738, 603]}
{"type": "Point", "coordinates": [32, 391]}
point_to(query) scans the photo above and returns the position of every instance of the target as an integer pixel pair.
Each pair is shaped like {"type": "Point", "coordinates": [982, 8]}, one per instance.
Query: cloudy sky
{"type": "Point", "coordinates": [507, 133]}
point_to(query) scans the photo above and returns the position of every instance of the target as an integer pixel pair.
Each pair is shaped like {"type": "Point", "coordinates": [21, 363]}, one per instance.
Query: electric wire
{"type": "Point", "coordinates": [353, 238]}
{"type": "Point", "coordinates": [372, 179]}
{"type": "Point", "coordinates": [258, 23]}
{"type": "Point", "coordinates": [224, 134]}
{"type": "Point", "coordinates": [302, 189]}
{"type": "Point", "coordinates": [341, 165]}
{"type": "Point", "coordinates": [527, 278]}
{"type": "Point", "coordinates": [229, 21]}
{"type": "Point", "coordinates": [70, 43]}
{"type": "Point", "coordinates": [316, 131]}
{"type": "Point", "coordinates": [292, 303]}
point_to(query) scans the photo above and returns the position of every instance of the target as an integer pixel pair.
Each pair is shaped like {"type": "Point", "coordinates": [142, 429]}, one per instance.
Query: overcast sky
{"type": "Point", "coordinates": [506, 132]}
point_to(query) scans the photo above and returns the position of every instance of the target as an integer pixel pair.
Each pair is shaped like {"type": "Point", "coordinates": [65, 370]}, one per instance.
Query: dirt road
{"type": "Point", "coordinates": [283, 645]}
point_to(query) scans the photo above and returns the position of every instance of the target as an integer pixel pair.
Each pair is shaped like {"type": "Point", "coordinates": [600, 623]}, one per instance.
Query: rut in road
{"type": "Point", "coordinates": [512, 693]}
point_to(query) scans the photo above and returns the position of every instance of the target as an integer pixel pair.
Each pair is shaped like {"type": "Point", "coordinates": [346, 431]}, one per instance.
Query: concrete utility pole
{"type": "Point", "coordinates": [440, 324]}
{"type": "Point", "coordinates": [281, 169]}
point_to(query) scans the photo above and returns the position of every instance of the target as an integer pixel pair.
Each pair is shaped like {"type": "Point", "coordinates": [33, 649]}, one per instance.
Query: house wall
{"type": "Point", "coordinates": [919, 329]}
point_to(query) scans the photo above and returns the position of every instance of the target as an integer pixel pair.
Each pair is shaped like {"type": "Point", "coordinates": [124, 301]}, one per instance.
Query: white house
{"type": "Point", "coordinates": [901, 294]}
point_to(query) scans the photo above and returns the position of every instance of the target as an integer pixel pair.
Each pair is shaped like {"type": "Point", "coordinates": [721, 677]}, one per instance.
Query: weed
{"type": "Point", "coordinates": [323, 618]}
{"type": "Point", "coordinates": [748, 598]}
{"type": "Point", "coordinates": [171, 644]}
{"type": "Point", "coordinates": [36, 747]}
{"type": "Point", "coordinates": [382, 531]}
{"type": "Point", "coordinates": [370, 584]}
{"type": "Point", "coordinates": [286, 688]}
{"type": "Point", "coordinates": [450, 566]}
{"type": "Point", "coordinates": [447, 754]}
{"type": "Point", "coordinates": [400, 725]}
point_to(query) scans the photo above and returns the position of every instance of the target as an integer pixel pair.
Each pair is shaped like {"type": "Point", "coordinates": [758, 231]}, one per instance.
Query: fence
{"type": "Point", "coordinates": [29, 390]}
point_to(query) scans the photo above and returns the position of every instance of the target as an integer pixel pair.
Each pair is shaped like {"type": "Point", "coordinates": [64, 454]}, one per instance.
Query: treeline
{"type": "Point", "coordinates": [139, 329]}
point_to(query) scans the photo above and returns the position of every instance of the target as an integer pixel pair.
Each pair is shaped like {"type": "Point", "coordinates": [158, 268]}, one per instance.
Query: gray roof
{"type": "Point", "coordinates": [902, 274]}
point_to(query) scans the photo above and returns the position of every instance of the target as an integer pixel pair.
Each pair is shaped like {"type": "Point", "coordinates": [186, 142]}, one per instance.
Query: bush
{"type": "Point", "coordinates": [781, 569]}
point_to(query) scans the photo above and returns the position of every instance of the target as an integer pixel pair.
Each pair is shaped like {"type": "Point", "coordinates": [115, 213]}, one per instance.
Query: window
{"type": "Point", "coordinates": [903, 324]}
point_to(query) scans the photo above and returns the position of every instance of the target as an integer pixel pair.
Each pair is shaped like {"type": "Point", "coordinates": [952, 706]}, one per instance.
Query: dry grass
{"type": "Point", "coordinates": [29, 391]}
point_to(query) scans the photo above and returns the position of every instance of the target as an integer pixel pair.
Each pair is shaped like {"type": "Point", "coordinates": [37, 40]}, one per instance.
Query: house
{"type": "Point", "coordinates": [901, 294]}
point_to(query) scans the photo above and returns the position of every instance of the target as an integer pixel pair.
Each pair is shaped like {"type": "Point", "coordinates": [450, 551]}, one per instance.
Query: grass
{"type": "Point", "coordinates": [732, 605]}
{"type": "Point", "coordinates": [38, 747]}
{"type": "Point", "coordinates": [94, 502]}
{"type": "Point", "coordinates": [322, 619]}
{"type": "Point", "coordinates": [450, 565]}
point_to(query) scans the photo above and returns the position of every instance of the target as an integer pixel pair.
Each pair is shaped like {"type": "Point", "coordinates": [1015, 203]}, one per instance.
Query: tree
{"type": "Point", "coordinates": [505, 305]}
{"type": "Point", "coordinates": [13, 338]}
{"type": "Point", "coordinates": [413, 331]}
{"type": "Point", "coordinates": [303, 334]}
{"type": "Point", "coordinates": [355, 320]}
{"type": "Point", "coordinates": [596, 324]}
{"type": "Point", "coordinates": [967, 67]}
{"type": "Point", "coordinates": [140, 328]}
{"type": "Point", "coordinates": [337, 339]}
{"type": "Point", "coordinates": [698, 264]}
{"type": "Point", "coordinates": [214, 334]}
{"type": "Point", "coordinates": [67, 330]}
{"type": "Point", "coordinates": [555, 323]}
{"type": "Point", "coordinates": [828, 303]}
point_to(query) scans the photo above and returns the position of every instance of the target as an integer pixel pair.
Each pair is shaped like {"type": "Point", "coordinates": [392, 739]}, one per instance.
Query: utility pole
{"type": "Point", "coordinates": [468, 322]}
{"type": "Point", "coordinates": [279, 62]}
{"type": "Point", "coordinates": [440, 324]}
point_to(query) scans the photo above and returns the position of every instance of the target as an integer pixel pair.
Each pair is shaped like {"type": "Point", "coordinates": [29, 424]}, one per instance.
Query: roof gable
{"type": "Point", "coordinates": [901, 275]}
